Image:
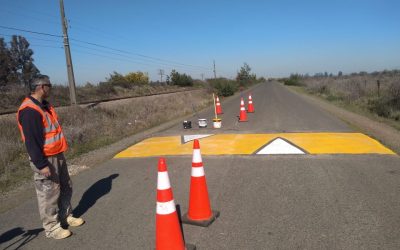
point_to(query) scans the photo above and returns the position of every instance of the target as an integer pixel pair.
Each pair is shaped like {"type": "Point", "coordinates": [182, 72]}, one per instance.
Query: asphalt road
{"type": "Point", "coordinates": [266, 202]}
{"type": "Point", "coordinates": [276, 110]}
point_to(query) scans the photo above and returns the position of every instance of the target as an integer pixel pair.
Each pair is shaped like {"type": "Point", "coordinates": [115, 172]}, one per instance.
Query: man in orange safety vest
{"type": "Point", "coordinates": [45, 142]}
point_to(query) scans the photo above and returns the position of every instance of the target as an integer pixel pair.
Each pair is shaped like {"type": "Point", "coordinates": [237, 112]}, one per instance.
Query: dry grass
{"type": "Point", "coordinates": [87, 129]}
{"type": "Point", "coordinates": [12, 95]}
{"type": "Point", "coordinates": [361, 92]}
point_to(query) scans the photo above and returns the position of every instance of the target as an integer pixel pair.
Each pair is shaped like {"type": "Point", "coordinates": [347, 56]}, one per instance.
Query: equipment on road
{"type": "Point", "coordinates": [168, 230]}
{"type": "Point", "coordinates": [218, 108]}
{"type": "Point", "coordinates": [243, 114]}
{"type": "Point", "coordinates": [202, 123]}
{"type": "Point", "coordinates": [187, 124]}
{"type": "Point", "coordinates": [199, 212]}
{"type": "Point", "coordinates": [250, 107]}
{"type": "Point", "coordinates": [217, 122]}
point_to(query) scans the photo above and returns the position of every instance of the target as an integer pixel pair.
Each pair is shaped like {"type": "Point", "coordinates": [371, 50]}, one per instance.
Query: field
{"type": "Point", "coordinates": [375, 95]}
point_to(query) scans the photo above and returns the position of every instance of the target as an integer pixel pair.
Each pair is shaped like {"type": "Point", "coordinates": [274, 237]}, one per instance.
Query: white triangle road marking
{"type": "Point", "coordinates": [188, 138]}
{"type": "Point", "coordinates": [278, 147]}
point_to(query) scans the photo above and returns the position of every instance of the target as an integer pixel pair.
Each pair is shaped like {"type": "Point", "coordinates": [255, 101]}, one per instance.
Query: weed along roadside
{"type": "Point", "coordinates": [88, 129]}
{"type": "Point", "coordinates": [376, 95]}
{"type": "Point", "coordinates": [358, 101]}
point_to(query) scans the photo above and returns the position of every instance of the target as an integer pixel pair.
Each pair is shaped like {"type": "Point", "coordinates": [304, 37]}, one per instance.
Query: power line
{"type": "Point", "coordinates": [28, 16]}
{"type": "Point", "coordinates": [150, 57]}
{"type": "Point", "coordinates": [127, 56]}
{"type": "Point", "coordinates": [118, 59]}
{"type": "Point", "coordinates": [109, 57]}
{"type": "Point", "coordinates": [29, 31]}
{"type": "Point", "coordinates": [34, 38]}
{"type": "Point", "coordinates": [39, 12]}
{"type": "Point", "coordinates": [47, 46]}
{"type": "Point", "coordinates": [93, 30]}
{"type": "Point", "coordinates": [106, 47]}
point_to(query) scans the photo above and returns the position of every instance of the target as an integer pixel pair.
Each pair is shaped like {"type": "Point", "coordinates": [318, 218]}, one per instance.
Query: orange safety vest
{"type": "Point", "coordinates": [55, 141]}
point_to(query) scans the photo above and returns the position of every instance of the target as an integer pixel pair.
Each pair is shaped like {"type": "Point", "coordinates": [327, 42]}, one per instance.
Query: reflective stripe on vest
{"type": "Point", "coordinates": [53, 139]}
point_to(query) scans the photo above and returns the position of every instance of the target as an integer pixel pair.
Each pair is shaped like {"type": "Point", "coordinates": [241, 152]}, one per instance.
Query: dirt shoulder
{"type": "Point", "coordinates": [380, 131]}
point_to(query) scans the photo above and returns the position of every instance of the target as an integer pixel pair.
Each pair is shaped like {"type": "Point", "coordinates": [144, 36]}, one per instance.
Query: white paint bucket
{"type": "Point", "coordinates": [202, 123]}
{"type": "Point", "coordinates": [217, 123]}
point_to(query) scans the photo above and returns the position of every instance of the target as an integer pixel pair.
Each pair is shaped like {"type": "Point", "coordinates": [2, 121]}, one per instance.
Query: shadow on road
{"type": "Point", "coordinates": [95, 192]}
{"type": "Point", "coordinates": [24, 236]}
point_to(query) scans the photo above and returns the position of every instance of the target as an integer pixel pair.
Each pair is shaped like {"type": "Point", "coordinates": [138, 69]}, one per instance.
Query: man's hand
{"type": "Point", "coordinates": [45, 171]}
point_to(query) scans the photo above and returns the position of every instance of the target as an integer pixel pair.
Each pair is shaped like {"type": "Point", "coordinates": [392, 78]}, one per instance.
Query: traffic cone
{"type": "Point", "coordinates": [199, 212]}
{"type": "Point", "coordinates": [243, 114]}
{"type": "Point", "coordinates": [168, 230]}
{"type": "Point", "coordinates": [218, 107]}
{"type": "Point", "coordinates": [250, 107]}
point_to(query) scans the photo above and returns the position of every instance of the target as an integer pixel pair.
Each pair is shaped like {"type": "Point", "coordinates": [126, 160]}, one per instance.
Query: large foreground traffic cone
{"type": "Point", "coordinates": [218, 108]}
{"type": "Point", "coordinates": [199, 212]}
{"type": "Point", "coordinates": [168, 231]}
{"type": "Point", "coordinates": [250, 107]}
{"type": "Point", "coordinates": [243, 114]}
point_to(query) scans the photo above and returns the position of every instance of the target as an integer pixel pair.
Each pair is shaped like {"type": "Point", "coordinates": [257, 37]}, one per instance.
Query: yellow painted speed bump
{"type": "Point", "coordinates": [247, 144]}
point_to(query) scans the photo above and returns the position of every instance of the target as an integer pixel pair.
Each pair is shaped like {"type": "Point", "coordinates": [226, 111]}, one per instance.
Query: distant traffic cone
{"type": "Point", "coordinates": [218, 107]}
{"type": "Point", "coordinates": [168, 230]}
{"type": "Point", "coordinates": [199, 212]}
{"type": "Point", "coordinates": [243, 114]}
{"type": "Point", "coordinates": [250, 107]}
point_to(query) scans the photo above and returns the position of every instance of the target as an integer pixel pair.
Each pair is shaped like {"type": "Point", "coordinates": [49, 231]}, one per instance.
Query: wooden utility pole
{"type": "Point", "coordinates": [215, 72]}
{"type": "Point", "coordinates": [161, 73]}
{"type": "Point", "coordinates": [70, 69]}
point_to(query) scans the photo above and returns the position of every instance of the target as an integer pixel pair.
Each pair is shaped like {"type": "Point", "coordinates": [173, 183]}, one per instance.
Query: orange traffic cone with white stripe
{"type": "Point", "coordinates": [243, 114]}
{"type": "Point", "coordinates": [168, 230]}
{"type": "Point", "coordinates": [199, 212]}
{"type": "Point", "coordinates": [218, 108]}
{"type": "Point", "coordinates": [250, 107]}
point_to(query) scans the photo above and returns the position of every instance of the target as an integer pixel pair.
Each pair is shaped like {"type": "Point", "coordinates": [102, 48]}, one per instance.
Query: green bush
{"type": "Point", "coordinates": [223, 86]}
{"type": "Point", "coordinates": [380, 107]}
{"type": "Point", "coordinates": [118, 79]}
{"type": "Point", "coordinates": [244, 77]}
{"type": "Point", "coordinates": [181, 79]}
{"type": "Point", "coordinates": [294, 80]}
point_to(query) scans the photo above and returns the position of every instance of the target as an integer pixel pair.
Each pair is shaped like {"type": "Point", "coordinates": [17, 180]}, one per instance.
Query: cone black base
{"type": "Point", "coordinates": [202, 223]}
{"type": "Point", "coordinates": [189, 246]}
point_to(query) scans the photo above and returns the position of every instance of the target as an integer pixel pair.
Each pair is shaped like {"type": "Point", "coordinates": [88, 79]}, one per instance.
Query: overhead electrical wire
{"type": "Point", "coordinates": [122, 59]}
{"type": "Point", "coordinates": [47, 46]}
{"type": "Point", "coordinates": [29, 31]}
{"type": "Point", "coordinates": [34, 38]}
{"type": "Point", "coordinates": [47, 14]}
{"type": "Point", "coordinates": [110, 48]}
{"type": "Point", "coordinates": [31, 17]}
{"type": "Point", "coordinates": [149, 57]}
{"type": "Point", "coordinates": [126, 56]}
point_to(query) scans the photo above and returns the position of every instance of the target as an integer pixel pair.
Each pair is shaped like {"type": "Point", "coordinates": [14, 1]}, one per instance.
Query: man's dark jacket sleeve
{"type": "Point", "coordinates": [32, 126]}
